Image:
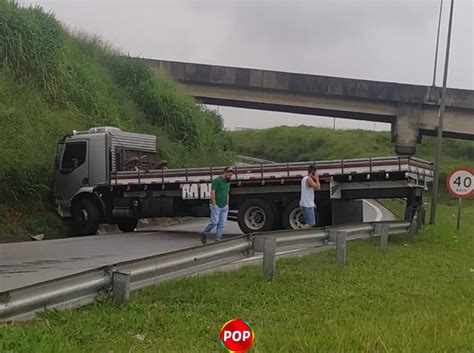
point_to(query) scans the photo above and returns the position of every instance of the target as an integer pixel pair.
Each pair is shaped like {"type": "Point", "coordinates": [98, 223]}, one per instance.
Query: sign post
{"type": "Point", "coordinates": [460, 183]}
{"type": "Point", "coordinates": [458, 222]}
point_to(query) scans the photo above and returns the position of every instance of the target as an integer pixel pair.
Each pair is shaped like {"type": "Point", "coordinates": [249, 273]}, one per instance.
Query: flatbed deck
{"type": "Point", "coordinates": [411, 168]}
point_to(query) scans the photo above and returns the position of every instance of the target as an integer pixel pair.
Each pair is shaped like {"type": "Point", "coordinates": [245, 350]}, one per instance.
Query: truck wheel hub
{"type": "Point", "coordinates": [296, 218]}
{"type": "Point", "coordinates": [83, 216]}
{"type": "Point", "coordinates": [255, 218]}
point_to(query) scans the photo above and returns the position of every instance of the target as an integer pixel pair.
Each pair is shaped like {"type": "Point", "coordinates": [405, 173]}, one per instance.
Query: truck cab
{"type": "Point", "coordinates": [82, 162]}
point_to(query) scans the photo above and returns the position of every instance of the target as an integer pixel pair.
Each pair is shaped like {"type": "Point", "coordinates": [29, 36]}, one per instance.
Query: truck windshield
{"type": "Point", "coordinates": [74, 156]}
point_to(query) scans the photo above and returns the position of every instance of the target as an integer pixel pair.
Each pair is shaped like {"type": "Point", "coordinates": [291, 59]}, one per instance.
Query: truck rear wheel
{"type": "Point", "coordinates": [255, 216]}
{"type": "Point", "coordinates": [85, 216]}
{"type": "Point", "coordinates": [128, 225]}
{"type": "Point", "coordinates": [293, 216]}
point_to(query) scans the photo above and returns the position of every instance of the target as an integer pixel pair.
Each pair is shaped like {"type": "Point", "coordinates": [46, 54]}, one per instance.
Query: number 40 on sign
{"type": "Point", "coordinates": [460, 183]}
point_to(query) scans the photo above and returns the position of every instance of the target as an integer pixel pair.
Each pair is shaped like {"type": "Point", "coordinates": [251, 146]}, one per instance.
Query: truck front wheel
{"type": "Point", "coordinates": [292, 216]}
{"type": "Point", "coordinates": [85, 216]}
{"type": "Point", "coordinates": [128, 225]}
{"type": "Point", "coordinates": [255, 216]}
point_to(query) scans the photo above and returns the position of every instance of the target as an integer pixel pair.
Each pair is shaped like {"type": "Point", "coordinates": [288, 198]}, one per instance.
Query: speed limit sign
{"type": "Point", "coordinates": [460, 183]}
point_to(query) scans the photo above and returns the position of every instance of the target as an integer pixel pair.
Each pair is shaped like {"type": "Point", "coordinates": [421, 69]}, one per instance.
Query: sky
{"type": "Point", "coordinates": [380, 40]}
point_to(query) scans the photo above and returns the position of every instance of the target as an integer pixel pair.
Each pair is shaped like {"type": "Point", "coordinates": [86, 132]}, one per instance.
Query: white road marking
{"type": "Point", "coordinates": [377, 210]}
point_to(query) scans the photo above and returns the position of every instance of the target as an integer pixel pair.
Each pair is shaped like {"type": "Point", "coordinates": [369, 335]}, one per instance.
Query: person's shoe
{"type": "Point", "coordinates": [203, 239]}
{"type": "Point", "coordinates": [218, 239]}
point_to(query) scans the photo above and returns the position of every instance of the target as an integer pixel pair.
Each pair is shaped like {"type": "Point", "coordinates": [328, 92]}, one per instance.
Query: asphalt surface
{"type": "Point", "coordinates": [26, 263]}
{"type": "Point", "coordinates": [375, 212]}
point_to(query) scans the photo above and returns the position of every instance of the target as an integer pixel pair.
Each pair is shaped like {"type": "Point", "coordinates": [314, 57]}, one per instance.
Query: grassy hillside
{"type": "Point", "coordinates": [53, 82]}
{"type": "Point", "coordinates": [305, 143]}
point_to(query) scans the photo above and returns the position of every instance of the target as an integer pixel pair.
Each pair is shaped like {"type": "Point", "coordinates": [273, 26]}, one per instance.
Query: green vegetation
{"type": "Point", "coordinates": [53, 82]}
{"type": "Point", "coordinates": [397, 206]}
{"type": "Point", "coordinates": [306, 143]}
{"type": "Point", "coordinates": [417, 297]}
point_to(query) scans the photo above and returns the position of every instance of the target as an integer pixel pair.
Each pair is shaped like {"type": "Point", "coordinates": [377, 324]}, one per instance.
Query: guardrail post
{"type": "Point", "coordinates": [258, 243]}
{"type": "Point", "coordinates": [120, 286]}
{"type": "Point", "coordinates": [384, 230]}
{"type": "Point", "coordinates": [269, 257]}
{"type": "Point", "coordinates": [341, 244]}
{"type": "Point", "coordinates": [377, 229]}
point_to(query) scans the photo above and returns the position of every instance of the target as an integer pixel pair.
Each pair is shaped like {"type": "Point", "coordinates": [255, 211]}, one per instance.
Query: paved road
{"type": "Point", "coordinates": [375, 212]}
{"type": "Point", "coordinates": [37, 261]}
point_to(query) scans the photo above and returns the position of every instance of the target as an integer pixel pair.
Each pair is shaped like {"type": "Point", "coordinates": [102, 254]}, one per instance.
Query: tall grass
{"type": "Point", "coordinates": [163, 103]}
{"type": "Point", "coordinates": [32, 45]}
{"type": "Point", "coordinates": [55, 81]}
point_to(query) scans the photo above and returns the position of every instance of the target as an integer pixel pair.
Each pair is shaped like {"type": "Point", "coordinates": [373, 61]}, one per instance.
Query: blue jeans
{"type": "Point", "coordinates": [309, 215]}
{"type": "Point", "coordinates": [218, 217]}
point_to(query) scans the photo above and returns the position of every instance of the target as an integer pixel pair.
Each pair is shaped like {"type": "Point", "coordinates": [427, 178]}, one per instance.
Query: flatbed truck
{"type": "Point", "coordinates": [105, 175]}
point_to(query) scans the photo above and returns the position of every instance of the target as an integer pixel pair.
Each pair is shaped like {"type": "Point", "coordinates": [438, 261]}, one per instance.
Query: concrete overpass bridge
{"type": "Point", "coordinates": [411, 109]}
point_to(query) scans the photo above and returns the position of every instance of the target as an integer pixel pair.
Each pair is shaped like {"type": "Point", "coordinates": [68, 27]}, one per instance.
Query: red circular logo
{"type": "Point", "coordinates": [237, 336]}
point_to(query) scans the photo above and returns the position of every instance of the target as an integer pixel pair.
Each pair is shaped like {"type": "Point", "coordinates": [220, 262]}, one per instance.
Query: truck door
{"type": "Point", "coordinates": [72, 170]}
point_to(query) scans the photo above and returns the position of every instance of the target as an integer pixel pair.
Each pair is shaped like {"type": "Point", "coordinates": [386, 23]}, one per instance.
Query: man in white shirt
{"type": "Point", "coordinates": [308, 184]}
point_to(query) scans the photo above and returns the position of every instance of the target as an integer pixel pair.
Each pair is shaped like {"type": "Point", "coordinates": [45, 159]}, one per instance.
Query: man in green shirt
{"type": "Point", "coordinates": [219, 205]}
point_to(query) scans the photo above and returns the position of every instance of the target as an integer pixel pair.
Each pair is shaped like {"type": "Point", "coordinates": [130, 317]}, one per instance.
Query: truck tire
{"type": "Point", "coordinates": [128, 226]}
{"type": "Point", "coordinates": [255, 216]}
{"type": "Point", "coordinates": [85, 216]}
{"type": "Point", "coordinates": [292, 216]}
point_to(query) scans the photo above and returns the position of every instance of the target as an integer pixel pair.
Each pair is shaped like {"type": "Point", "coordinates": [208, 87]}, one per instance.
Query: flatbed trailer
{"type": "Point", "coordinates": [262, 197]}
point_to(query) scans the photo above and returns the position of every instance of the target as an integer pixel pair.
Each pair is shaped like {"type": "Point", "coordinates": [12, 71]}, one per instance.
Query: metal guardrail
{"type": "Point", "coordinates": [118, 279]}
{"type": "Point", "coordinates": [83, 288]}
{"type": "Point", "coordinates": [330, 237]}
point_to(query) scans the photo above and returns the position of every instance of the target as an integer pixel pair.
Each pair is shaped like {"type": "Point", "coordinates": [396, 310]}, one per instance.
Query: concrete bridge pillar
{"type": "Point", "coordinates": [406, 128]}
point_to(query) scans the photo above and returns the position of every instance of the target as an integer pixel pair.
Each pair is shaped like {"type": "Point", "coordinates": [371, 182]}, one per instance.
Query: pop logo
{"type": "Point", "coordinates": [237, 336]}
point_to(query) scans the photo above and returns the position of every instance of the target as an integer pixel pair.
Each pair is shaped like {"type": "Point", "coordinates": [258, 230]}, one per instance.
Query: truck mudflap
{"type": "Point", "coordinates": [63, 208]}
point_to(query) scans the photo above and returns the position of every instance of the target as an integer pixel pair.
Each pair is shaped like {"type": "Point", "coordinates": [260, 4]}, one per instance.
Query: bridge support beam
{"type": "Point", "coordinates": [411, 109]}
{"type": "Point", "coordinates": [406, 128]}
